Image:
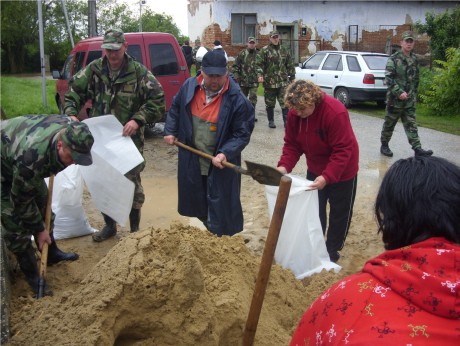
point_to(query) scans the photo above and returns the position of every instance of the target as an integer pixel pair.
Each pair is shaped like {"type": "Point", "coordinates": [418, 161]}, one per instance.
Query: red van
{"type": "Point", "coordinates": [159, 52]}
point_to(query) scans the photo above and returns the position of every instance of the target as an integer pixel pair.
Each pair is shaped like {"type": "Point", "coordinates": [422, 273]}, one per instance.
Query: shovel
{"type": "Point", "coordinates": [44, 254]}
{"type": "Point", "coordinates": [263, 174]}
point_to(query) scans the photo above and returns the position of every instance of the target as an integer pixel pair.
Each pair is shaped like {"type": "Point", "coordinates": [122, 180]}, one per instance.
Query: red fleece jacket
{"type": "Point", "coordinates": [407, 296]}
{"type": "Point", "coordinates": [327, 140]}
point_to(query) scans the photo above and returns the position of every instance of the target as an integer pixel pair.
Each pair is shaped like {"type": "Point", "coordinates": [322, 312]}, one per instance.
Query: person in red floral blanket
{"type": "Point", "coordinates": [410, 294]}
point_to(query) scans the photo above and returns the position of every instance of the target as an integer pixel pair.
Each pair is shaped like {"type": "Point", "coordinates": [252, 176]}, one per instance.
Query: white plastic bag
{"type": "Point", "coordinates": [70, 220]}
{"type": "Point", "coordinates": [301, 246]}
{"type": "Point", "coordinates": [200, 53]}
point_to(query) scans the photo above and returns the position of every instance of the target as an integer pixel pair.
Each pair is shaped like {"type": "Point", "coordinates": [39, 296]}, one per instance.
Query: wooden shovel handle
{"type": "Point", "coordinates": [44, 253]}
{"type": "Point", "coordinates": [227, 164]}
{"type": "Point", "coordinates": [267, 261]}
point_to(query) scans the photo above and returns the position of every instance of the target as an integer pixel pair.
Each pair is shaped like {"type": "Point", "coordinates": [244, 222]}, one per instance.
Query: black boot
{"type": "Point", "coordinates": [27, 261]}
{"type": "Point", "coordinates": [270, 117]}
{"type": "Point", "coordinates": [56, 255]}
{"type": "Point", "coordinates": [285, 113]}
{"type": "Point", "coordinates": [134, 219]}
{"type": "Point", "coordinates": [385, 150]}
{"type": "Point", "coordinates": [109, 230]}
{"type": "Point", "coordinates": [422, 152]}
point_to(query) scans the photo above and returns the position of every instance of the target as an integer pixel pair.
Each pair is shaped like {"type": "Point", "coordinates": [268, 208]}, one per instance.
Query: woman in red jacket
{"type": "Point", "coordinates": [410, 294]}
{"type": "Point", "coordinates": [319, 127]}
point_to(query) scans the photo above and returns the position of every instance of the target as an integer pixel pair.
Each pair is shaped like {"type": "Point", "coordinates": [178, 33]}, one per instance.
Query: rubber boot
{"type": "Point", "coordinates": [109, 230]}
{"type": "Point", "coordinates": [27, 261]}
{"type": "Point", "coordinates": [285, 113]}
{"type": "Point", "coordinates": [55, 255]}
{"type": "Point", "coordinates": [270, 117]}
{"type": "Point", "coordinates": [255, 118]}
{"type": "Point", "coordinates": [134, 219]}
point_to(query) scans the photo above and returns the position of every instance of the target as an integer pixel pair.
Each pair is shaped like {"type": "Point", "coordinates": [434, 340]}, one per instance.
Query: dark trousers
{"type": "Point", "coordinates": [341, 197]}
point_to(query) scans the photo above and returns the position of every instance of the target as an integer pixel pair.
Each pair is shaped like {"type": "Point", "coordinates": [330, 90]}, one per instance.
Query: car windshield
{"type": "Point", "coordinates": [375, 62]}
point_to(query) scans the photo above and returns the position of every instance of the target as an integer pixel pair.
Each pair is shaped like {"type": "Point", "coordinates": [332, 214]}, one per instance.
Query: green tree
{"type": "Point", "coordinates": [442, 96]}
{"type": "Point", "coordinates": [19, 38]}
{"type": "Point", "coordinates": [443, 29]}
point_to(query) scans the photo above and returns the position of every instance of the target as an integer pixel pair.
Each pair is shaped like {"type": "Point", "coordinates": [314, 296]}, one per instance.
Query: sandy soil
{"type": "Point", "coordinates": [175, 284]}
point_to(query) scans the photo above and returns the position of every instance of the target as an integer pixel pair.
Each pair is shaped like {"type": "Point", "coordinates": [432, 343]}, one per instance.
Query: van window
{"type": "Point", "coordinates": [163, 59]}
{"type": "Point", "coordinates": [135, 52]}
{"type": "Point", "coordinates": [65, 73]}
{"type": "Point", "coordinates": [78, 62]}
{"type": "Point", "coordinates": [93, 55]}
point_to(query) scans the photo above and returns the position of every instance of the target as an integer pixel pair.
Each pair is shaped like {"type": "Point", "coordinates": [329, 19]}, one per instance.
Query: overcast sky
{"type": "Point", "coordinates": [177, 9]}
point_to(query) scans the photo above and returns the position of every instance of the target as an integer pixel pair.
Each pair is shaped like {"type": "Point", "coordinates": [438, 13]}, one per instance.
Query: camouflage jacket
{"type": "Point", "coordinates": [134, 94]}
{"type": "Point", "coordinates": [244, 68]}
{"type": "Point", "coordinates": [401, 75]}
{"type": "Point", "coordinates": [275, 64]}
{"type": "Point", "coordinates": [29, 155]}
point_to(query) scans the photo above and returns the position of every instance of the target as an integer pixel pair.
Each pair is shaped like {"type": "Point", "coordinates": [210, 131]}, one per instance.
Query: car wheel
{"type": "Point", "coordinates": [342, 95]}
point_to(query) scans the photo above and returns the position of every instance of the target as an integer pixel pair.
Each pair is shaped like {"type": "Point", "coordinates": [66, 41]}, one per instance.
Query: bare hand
{"type": "Point", "coordinates": [42, 238]}
{"type": "Point", "coordinates": [130, 128]}
{"type": "Point", "coordinates": [74, 118]}
{"type": "Point", "coordinates": [170, 139]}
{"type": "Point", "coordinates": [282, 169]}
{"type": "Point", "coordinates": [319, 183]}
{"type": "Point", "coordinates": [403, 96]}
{"type": "Point", "coordinates": [218, 159]}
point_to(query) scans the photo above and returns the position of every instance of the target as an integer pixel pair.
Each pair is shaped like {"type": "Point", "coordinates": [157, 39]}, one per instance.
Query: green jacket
{"type": "Point", "coordinates": [275, 64]}
{"type": "Point", "coordinates": [401, 75]}
{"type": "Point", "coordinates": [244, 68]}
{"type": "Point", "coordinates": [29, 155]}
{"type": "Point", "coordinates": [134, 94]}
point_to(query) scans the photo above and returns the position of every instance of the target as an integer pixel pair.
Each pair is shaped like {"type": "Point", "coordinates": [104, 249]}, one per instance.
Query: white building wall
{"type": "Point", "coordinates": [328, 20]}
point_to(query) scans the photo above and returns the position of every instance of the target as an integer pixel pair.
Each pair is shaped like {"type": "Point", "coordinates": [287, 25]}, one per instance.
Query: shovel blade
{"type": "Point", "coordinates": [264, 174]}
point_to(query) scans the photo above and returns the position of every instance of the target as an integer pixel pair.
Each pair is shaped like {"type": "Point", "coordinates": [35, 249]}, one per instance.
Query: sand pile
{"type": "Point", "coordinates": [181, 286]}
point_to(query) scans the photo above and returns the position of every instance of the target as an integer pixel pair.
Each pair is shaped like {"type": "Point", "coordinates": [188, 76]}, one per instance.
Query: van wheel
{"type": "Point", "coordinates": [342, 95]}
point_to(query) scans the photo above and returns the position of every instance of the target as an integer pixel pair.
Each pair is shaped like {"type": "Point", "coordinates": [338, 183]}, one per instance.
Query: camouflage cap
{"type": "Point", "coordinates": [274, 33]}
{"type": "Point", "coordinates": [406, 35]}
{"type": "Point", "coordinates": [113, 39]}
{"type": "Point", "coordinates": [251, 39]}
{"type": "Point", "coordinates": [80, 140]}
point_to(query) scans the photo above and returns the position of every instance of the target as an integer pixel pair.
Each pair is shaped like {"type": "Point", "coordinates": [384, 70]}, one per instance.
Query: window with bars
{"type": "Point", "coordinates": [243, 26]}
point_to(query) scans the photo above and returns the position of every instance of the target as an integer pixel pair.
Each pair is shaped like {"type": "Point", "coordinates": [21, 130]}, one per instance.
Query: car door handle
{"type": "Point", "coordinates": [312, 75]}
{"type": "Point", "coordinates": [336, 76]}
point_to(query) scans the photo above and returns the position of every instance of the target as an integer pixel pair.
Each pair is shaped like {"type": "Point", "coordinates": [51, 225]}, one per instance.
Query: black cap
{"type": "Point", "coordinates": [214, 62]}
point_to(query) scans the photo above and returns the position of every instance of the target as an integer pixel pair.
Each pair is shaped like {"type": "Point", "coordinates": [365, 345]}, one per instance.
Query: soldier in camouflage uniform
{"type": "Point", "coordinates": [245, 71]}
{"type": "Point", "coordinates": [276, 70]}
{"type": "Point", "coordinates": [33, 148]}
{"type": "Point", "coordinates": [401, 77]}
{"type": "Point", "coordinates": [119, 85]}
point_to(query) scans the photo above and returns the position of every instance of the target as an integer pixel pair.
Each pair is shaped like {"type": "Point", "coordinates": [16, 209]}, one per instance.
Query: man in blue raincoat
{"type": "Point", "coordinates": [211, 114]}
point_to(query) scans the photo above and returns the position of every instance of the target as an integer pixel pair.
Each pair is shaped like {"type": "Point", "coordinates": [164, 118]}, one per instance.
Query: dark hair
{"type": "Point", "coordinates": [217, 43]}
{"type": "Point", "coordinates": [419, 198]}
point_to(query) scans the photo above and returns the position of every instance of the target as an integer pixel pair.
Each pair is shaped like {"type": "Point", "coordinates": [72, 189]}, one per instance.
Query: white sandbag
{"type": "Point", "coordinates": [111, 191]}
{"type": "Point", "coordinates": [113, 156]}
{"type": "Point", "coordinates": [301, 246]}
{"type": "Point", "coordinates": [200, 53]}
{"type": "Point", "coordinates": [70, 220]}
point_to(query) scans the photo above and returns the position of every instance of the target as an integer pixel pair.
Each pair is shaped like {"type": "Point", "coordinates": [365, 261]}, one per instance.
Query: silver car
{"type": "Point", "coordinates": [350, 77]}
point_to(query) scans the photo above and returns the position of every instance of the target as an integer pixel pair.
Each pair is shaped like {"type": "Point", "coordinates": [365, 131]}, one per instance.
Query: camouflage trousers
{"type": "Point", "coordinates": [252, 92]}
{"type": "Point", "coordinates": [407, 116]}
{"type": "Point", "coordinates": [134, 175]}
{"type": "Point", "coordinates": [272, 94]}
{"type": "Point", "coordinates": [16, 237]}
